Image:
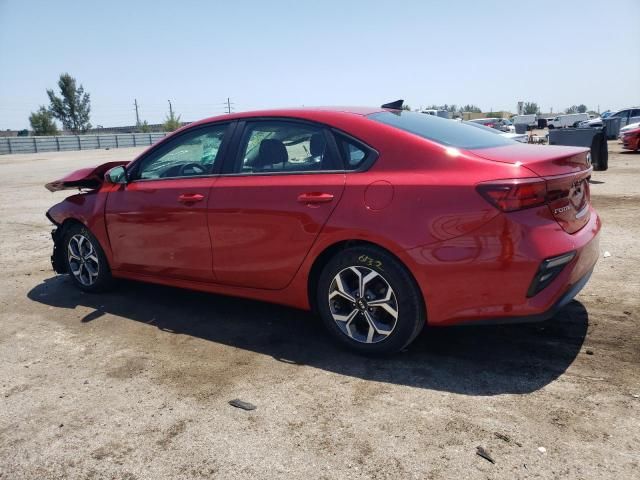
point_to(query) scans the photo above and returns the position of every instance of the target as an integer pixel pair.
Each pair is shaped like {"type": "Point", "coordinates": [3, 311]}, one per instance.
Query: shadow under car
{"type": "Point", "coordinates": [472, 360]}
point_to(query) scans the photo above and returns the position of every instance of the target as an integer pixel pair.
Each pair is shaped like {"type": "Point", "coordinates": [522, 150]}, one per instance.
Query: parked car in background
{"type": "Point", "coordinates": [531, 121]}
{"type": "Point", "coordinates": [487, 122]}
{"type": "Point", "coordinates": [501, 124]}
{"type": "Point", "coordinates": [378, 219]}
{"type": "Point", "coordinates": [631, 138]}
{"type": "Point", "coordinates": [507, 126]}
{"type": "Point", "coordinates": [518, 137]}
{"type": "Point", "coordinates": [631, 126]}
{"type": "Point", "coordinates": [568, 120]}
{"type": "Point", "coordinates": [627, 116]}
{"type": "Point", "coordinates": [437, 113]}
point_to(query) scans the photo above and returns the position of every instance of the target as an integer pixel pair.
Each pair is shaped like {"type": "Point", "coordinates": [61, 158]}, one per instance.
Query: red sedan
{"type": "Point", "coordinates": [631, 139]}
{"type": "Point", "coordinates": [379, 220]}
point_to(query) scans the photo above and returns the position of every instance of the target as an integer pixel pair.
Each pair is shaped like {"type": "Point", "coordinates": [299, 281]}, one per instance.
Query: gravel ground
{"type": "Point", "coordinates": [134, 384]}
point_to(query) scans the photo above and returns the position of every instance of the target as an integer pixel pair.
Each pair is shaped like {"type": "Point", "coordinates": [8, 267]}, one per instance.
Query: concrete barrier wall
{"type": "Point", "coordinates": [61, 143]}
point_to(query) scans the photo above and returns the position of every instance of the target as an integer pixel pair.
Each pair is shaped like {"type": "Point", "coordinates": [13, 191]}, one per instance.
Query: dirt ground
{"type": "Point", "coordinates": [134, 384]}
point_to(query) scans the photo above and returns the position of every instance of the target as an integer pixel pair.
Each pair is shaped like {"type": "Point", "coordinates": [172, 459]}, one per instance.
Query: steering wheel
{"type": "Point", "coordinates": [189, 169]}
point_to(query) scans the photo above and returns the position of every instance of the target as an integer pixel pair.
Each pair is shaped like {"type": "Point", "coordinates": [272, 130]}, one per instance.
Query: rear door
{"type": "Point", "coordinates": [157, 222]}
{"type": "Point", "coordinates": [275, 196]}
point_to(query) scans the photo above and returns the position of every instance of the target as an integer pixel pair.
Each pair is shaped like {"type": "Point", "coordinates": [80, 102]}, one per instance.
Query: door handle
{"type": "Point", "coordinates": [312, 198]}
{"type": "Point", "coordinates": [190, 198]}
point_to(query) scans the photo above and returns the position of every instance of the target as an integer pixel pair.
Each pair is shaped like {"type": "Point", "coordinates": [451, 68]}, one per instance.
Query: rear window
{"type": "Point", "coordinates": [446, 132]}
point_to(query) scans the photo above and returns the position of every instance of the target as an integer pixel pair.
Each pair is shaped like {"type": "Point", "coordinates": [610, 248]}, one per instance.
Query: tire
{"type": "Point", "coordinates": [363, 318]}
{"type": "Point", "coordinates": [83, 254]}
{"type": "Point", "coordinates": [550, 127]}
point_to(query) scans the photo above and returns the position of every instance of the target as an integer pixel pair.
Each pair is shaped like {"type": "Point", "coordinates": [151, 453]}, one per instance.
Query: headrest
{"type": "Point", "coordinates": [271, 152]}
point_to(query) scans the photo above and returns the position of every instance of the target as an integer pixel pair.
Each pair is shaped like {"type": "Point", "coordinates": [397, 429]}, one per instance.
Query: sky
{"type": "Point", "coordinates": [276, 53]}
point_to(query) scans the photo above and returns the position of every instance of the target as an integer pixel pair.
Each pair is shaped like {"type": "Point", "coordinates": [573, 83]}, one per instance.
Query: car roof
{"type": "Point", "coordinates": [307, 113]}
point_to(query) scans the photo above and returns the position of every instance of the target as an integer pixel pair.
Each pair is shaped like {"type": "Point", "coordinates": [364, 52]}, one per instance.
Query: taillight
{"type": "Point", "coordinates": [516, 194]}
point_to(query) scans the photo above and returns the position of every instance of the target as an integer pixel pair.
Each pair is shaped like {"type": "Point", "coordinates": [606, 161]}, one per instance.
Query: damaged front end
{"type": "Point", "coordinates": [90, 178]}
{"type": "Point", "coordinates": [57, 257]}
{"type": "Point", "coordinates": [81, 208]}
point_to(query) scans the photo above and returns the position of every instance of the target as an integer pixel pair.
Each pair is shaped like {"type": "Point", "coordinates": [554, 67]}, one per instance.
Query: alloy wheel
{"type": "Point", "coordinates": [363, 304]}
{"type": "Point", "coordinates": [83, 260]}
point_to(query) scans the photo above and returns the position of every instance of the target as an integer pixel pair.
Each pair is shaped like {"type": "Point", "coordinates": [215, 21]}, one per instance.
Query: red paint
{"type": "Point", "coordinates": [258, 236]}
{"type": "Point", "coordinates": [631, 139]}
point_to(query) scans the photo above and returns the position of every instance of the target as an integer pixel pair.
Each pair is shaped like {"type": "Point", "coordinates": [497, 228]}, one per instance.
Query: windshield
{"type": "Point", "coordinates": [441, 130]}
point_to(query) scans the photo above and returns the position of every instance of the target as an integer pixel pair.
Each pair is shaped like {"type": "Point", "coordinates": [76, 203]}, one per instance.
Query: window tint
{"type": "Point", "coordinates": [286, 147]}
{"type": "Point", "coordinates": [191, 154]}
{"type": "Point", "coordinates": [440, 130]}
{"type": "Point", "coordinates": [354, 153]}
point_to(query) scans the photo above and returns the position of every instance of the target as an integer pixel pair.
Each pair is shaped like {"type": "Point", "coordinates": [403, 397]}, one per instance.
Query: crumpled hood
{"type": "Point", "coordinates": [91, 177]}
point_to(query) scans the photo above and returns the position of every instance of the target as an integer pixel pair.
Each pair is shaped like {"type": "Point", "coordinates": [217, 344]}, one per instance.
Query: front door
{"type": "Point", "coordinates": [265, 214]}
{"type": "Point", "coordinates": [157, 222]}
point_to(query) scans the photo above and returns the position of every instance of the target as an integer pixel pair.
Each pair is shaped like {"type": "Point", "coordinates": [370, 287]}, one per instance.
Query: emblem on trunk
{"type": "Point", "coordinates": [561, 209]}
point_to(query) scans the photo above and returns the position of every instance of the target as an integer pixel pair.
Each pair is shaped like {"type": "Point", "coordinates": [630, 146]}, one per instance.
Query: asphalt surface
{"type": "Point", "coordinates": [135, 383]}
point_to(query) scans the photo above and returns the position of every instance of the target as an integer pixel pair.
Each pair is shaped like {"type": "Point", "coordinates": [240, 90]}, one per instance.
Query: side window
{"type": "Point", "coordinates": [354, 153]}
{"type": "Point", "coordinates": [192, 154]}
{"type": "Point", "coordinates": [284, 147]}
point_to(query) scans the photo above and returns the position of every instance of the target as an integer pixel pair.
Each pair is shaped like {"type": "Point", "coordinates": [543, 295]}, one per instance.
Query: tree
{"type": "Point", "coordinates": [406, 107]}
{"type": "Point", "coordinates": [72, 108]}
{"type": "Point", "coordinates": [171, 123]}
{"type": "Point", "coordinates": [572, 109]}
{"type": "Point", "coordinates": [42, 122]}
{"type": "Point", "coordinates": [530, 108]}
{"type": "Point", "coordinates": [449, 108]}
{"type": "Point", "coordinates": [582, 108]}
{"type": "Point", "coordinates": [144, 127]}
{"type": "Point", "coordinates": [471, 108]}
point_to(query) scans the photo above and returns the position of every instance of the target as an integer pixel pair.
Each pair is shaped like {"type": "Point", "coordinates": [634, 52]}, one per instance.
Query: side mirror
{"type": "Point", "coordinates": [116, 175]}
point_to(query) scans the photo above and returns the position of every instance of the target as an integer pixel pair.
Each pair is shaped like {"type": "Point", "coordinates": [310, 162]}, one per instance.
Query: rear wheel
{"type": "Point", "coordinates": [85, 260]}
{"type": "Point", "coordinates": [369, 301]}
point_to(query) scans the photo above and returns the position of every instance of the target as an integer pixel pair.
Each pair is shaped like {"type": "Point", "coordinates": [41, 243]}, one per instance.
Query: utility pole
{"type": "Point", "coordinates": [228, 105]}
{"type": "Point", "coordinates": [170, 109]}
{"type": "Point", "coordinates": [135, 102]}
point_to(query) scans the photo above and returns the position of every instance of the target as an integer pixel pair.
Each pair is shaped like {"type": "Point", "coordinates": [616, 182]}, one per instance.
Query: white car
{"type": "Point", "coordinates": [518, 137]}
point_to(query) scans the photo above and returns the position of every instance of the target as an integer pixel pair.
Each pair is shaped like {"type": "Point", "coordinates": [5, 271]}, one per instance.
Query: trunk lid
{"type": "Point", "coordinates": [543, 160]}
{"type": "Point", "coordinates": [566, 171]}
{"type": "Point", "coordinates": [91, 178]}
